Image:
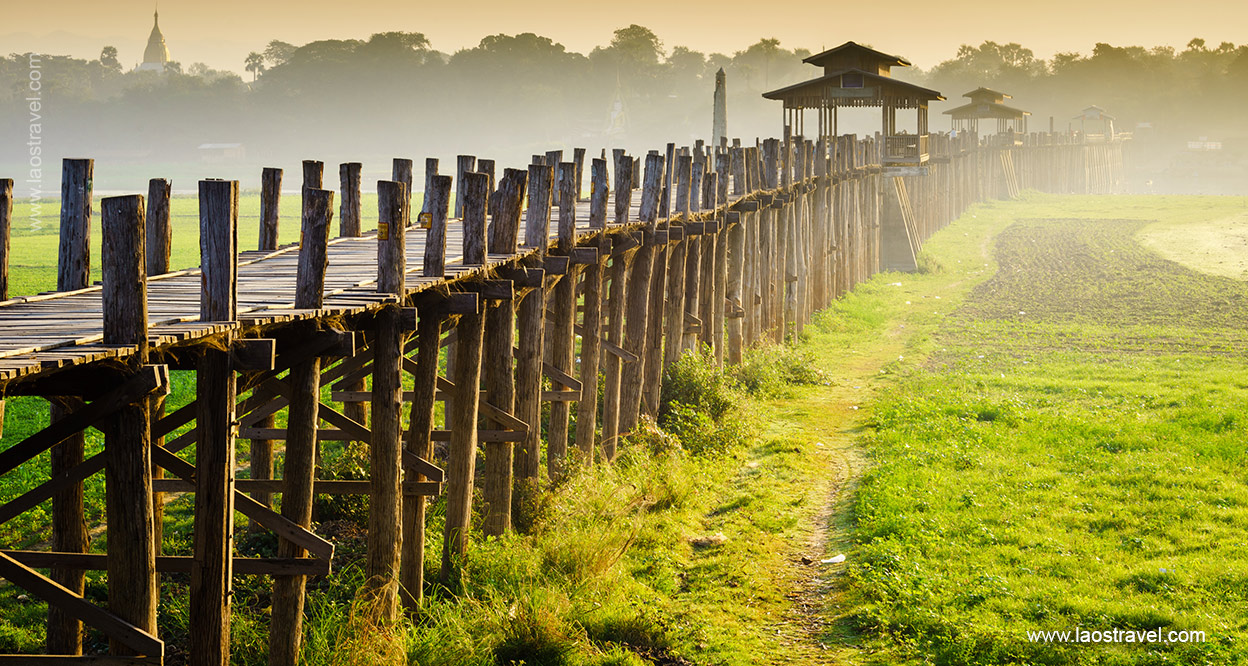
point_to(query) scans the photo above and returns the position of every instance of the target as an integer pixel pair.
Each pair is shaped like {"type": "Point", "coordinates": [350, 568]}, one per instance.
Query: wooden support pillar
{"type": "Point", "coordinates": [462, 455]}
{"type": "Point", "coordinates": [212, 568]}
{"type": "Point", "coordinates": [636, 319]}
{"type": "Point", "coordinates": [350, 205]}
{"type": "Point", "coordinates": [463, 164]}
{"type": "Point", "coordinates": [498, 375]}
{"type": "Point", "coordinates": [270, 199]}
{"type": "Point", "coordinates": [674, 307]}
{"type": "Point", "coordinates": [69, 529]}
{"type": "Point", "coordinates": [562, 319]}
{"type": "Point", "coordinates": [350, 212]}
{"type": "Point", "coordinates": [578, 160]}
{"type": "Point", "coordinates": [591, 322]}
{"type": "Point", "coordinates": [431, 171]}
{"type": "Point", "coordinates": [531, 316]}
{"type": "Point", "coordinates": [401, 172]}
{"type": "Point", "coordinates": [132, 589]}
{"type": "Point", "coordinates": [651, 208]}
{"type": "Point", "coordinates": [613, 364]}
{"type": "Point", "coordinates": [299, 473]}
{"type": "Point", "coordinates": [706, 270]}
{"type": "Point", "coordinates": [424, 388]}
{"type": "Point", "coordinates": [385, 539]}
{"type": "Point", "coordinates": [420, 444]}
{"type": "Point", "coordinates": [157, 246]}
{"type": "Point", "coordinates": [313, 175]}
{"type": "Point", "coordinates": [6, 230]}
{"type": "Point", "coordinates": [693, 263]}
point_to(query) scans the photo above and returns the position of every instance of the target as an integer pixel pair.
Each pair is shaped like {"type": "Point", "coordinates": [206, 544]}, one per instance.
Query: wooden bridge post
{"type": "Point", "coordinates": [674, 307]}
{"type": "Point", "coordinates": [132, 589]}
{"type": "Point", "coordinates": [531, 335]}
{"type": "Point", "coordinates": [617, 292]}
{"type": "Point", "coordinates": [6, 230]}
{"type": "Point", "coordinates": [578, 160]}
{"type": "Point", "coordinates": [157, 246]}
{"type": "Point", "coordinates": [261, 458]}
{"type": "Point", "coordinates": [299, 472]}
{"type": "Point", "coordinates": [350, 206]}
{"type": "Point", "coordinates": [635, 321]}
{"type": "Point", "coordinates": [270, 199]}
{"type": "Point", "coordinates": [386, 448]}
{"type": "Point", "coordinates": [498, 371]}
{"type": "Point", "coordinates": [706, 271]}
{"type": "Point", "coordinates": [313, 175]}
{"type": "Point", "coordinates": [693, 263]}
{"type": "Point", "coordinates": [720, 277]}
{"type": "Point", "coordinates": [462, 419]}
{"type": "Point", "coordinates": [69, 529]}
{"type": "Point", "coordinates": [562, 318]}
{"type": "Point", "coordinates": [463, 164]}
{"type": "Point", "coordinates": [649, 212]}
{"type": "Point", "coordinates": [212, 568]}
{"type": "Point", "coordinates": [350, 212]}
{"type": "Point", "coordinates": [424, 387]}
{"type": "Point", "coordinates": [158, 239]}
{"type": "Point", "coordinates": [591, 322]}
{"type": "Point", "coordinates": [401, 172]}
{"type": "Point", "coordinates": [431, 171]}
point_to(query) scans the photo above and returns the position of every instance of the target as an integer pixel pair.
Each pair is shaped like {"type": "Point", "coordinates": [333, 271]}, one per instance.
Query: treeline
{"type": "Point", "coordinates": [513, 95]}
{"type": "Point", "coordinates": [395, 94]}
{"type": "Point", "coordinates": [1177, 94]}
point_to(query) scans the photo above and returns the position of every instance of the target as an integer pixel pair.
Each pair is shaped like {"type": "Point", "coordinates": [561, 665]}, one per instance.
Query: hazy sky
{"type": "Point", "coordinates": [221, 32]}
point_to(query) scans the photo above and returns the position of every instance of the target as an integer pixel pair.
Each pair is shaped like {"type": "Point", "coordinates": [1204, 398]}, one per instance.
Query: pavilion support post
{"type": "Point", "coordinates": [69, 528]}
{"type": "Point", "coordinates": [212, 568]}
{"type": "Point", "coordinates": [132, 589]}
{"type": "Point", "coordinates": [299, 473]}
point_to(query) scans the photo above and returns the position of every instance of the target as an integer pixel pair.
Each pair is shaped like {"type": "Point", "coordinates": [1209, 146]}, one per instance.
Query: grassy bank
{"type": "Point", "coordinates": [1069, 454]}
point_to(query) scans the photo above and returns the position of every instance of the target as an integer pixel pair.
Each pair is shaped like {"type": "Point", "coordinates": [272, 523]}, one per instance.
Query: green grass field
{"type": "Point", "coordinates": [1069, 451]}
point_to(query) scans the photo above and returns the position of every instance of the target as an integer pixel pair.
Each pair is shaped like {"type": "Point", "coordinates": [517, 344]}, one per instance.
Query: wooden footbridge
{"type": "Point", "coordinates": [512, 294]}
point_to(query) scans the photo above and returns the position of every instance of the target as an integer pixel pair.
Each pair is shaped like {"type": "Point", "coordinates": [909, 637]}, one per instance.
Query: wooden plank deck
{"type": "Point", "coordinates": [55, 330]}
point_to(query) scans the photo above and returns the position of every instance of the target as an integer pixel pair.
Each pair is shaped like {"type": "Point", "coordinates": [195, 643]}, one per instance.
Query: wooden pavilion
{"type": "Point", "coordinates": [858, 76]}
{"type": "Point", "coordinates": [988, 104]}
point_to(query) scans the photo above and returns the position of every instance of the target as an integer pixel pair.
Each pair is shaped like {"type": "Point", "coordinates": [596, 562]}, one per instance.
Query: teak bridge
{"type": "Point", "coordinates": [521, 288]}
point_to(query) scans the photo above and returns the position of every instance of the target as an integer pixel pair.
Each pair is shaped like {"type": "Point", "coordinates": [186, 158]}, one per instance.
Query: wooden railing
{"type": "Point", "coordinates": [905, 150]}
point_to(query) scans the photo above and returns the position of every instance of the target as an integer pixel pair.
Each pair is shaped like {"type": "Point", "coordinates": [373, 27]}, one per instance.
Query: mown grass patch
{"type": "Point", "coordinates": [1069, 456]}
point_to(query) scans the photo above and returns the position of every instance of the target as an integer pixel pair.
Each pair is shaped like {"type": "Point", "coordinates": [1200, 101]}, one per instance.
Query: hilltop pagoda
{"type": "Point", "coordinates": [987, 104]}
{"type": "Point", "coordinates": [858, 76]}
{"type": "Point", "coordinates": [156, 55]}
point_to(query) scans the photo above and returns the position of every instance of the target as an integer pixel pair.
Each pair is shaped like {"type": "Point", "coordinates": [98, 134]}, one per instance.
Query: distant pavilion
{"type": "Point", "coordinates": [988, 104]}
{"type": "Point", "coordinates": [858, 76]}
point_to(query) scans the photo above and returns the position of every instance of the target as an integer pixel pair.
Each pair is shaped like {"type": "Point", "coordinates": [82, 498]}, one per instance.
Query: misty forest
{"type": "Point", "coordinates": [513, 95]}
{"type": "Point", "coordinates": [380, 355]}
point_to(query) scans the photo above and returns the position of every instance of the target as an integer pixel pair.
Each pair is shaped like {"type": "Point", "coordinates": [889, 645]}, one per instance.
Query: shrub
{"type": "Point", "coordinates": [769, 371]}
{"type": "Point", "coordinates": [695, 382]}
{"type": "Point", "coordinates": [699, 434]}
